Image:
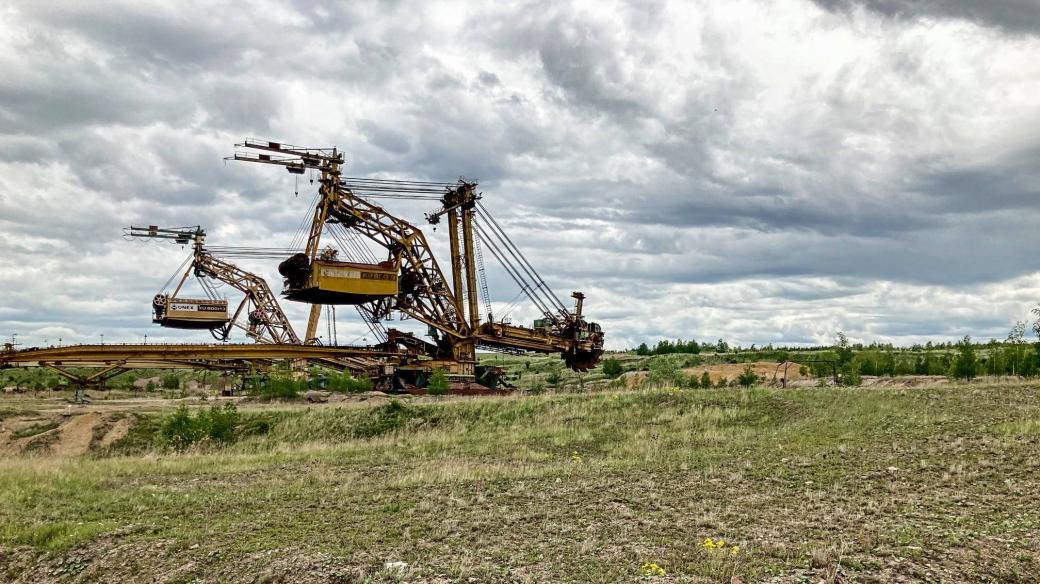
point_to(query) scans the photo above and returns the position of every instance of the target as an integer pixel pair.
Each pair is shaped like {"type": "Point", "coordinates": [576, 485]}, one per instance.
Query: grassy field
{"type": "Point", "coordinates": [924, 484]}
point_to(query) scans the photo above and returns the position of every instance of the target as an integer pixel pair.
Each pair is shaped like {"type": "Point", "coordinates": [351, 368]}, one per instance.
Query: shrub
{"type": "Point", "coordinates": [612, 367]}
{"type": "Point", "coordinates": [181, 429]}
{"type": "Point", "coordinates": [849, 376]}
{"type": "Point", "coordinates": [555, 377]}
{"type": "Point", "coordinates": [219, 423]}
{"type": "Point", "coordinates": [171, 381]}
{"type": "Point", "coordinates": [150, 386]}
{"type": "Point", "coordinates": [438, 383]}
{"type": "Point", "coordinates": [346, 383]}
{"type": "Point", "coordinates": [276, 388]}
{"type": "Point", "coordinates": [705, 380]}
{"type": "Point", "coordinates": [664, 371]}
{"type": "Point", "coordinates": [747, 377]}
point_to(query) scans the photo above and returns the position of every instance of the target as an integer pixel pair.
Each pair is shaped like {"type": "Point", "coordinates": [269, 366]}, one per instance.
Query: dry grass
{"type": "Point", "coordinates": [925, 484]}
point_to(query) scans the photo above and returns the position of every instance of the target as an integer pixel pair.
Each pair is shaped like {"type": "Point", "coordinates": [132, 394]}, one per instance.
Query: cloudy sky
{"type": "Point", "coordinates": [763, 171]}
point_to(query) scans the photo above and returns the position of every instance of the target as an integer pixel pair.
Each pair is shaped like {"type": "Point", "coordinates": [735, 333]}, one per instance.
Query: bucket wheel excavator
{"type": "Point", "coordinates": [408, 281]}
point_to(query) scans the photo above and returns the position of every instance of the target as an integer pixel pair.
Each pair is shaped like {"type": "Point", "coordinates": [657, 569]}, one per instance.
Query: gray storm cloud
{"type": "Point", "coordinates": [763, 171]}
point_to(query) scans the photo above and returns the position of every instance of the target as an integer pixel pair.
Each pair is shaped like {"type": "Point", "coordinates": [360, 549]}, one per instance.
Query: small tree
{"type": "Point", "coordinates": [150, 386]}
{"type": "Point", "coordinates": [844, 349]}
{"type": "Point", "coordinates": [693, 382]}
{"type": "Point", "coordinates": [722, 382]}
{"type": "Point", "coordinates": [612, 367]}
{"type": "Point", "coordinates": [965, 366]}
{"type": "Point", "coordinates": [705, 380]}
{"type": "Point", "coordinates": [747, 377]}
{"type": "Point", "coordinates": [1018, 333]}
{"type": "Point", "coordinates": [642, 350]}
{"type": "Point", "coordinates": [438, 383]}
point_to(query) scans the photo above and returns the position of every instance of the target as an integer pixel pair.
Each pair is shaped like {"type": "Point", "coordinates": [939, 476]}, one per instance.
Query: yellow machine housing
{"type": "Point", "coordinates": [333, 282]}
{"type": "Point", "coordinates": [190, 313]}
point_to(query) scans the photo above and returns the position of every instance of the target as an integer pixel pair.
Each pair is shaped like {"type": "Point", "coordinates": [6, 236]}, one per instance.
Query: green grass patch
{"type": "Point", "coordinates": [35, 429]}
{"type": "Point", "coordinates": [52, 534]}
{"type": "Point", "coordinates": [1030, 428]}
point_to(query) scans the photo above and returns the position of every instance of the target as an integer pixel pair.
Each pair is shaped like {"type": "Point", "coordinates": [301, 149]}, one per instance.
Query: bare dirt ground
{"type": "Point", "coordinates": [61, 434]}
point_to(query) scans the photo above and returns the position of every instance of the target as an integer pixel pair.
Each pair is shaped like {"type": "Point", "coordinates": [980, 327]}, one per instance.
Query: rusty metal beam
{"type": "Point", "coordinates": [107, 355]}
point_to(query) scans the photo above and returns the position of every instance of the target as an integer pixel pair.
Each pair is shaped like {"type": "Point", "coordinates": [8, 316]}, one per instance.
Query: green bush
{"type": "Point", "coordinates": [219, 422]}
{"type": "Point", "coordinates": [181, 429]}
{"type": "Point", "coordinates": [276, 387]}
{"type": "Point", "coordinates": [438, 383]}
{"type": "Point", "coordinates": [612, 367]}
{"type": "Point", "coordinates": [555, 377]}
{"type": "Point", "coordinates": [345, 383]}
{"type": "Point", "coordinates": [171, 381]}
{"type": "Point", "coordinates": [664, 372]}
{"type": "Point", "coordinates": [747, 377]}
{"type": "Point", "coordinates": [849, 376]}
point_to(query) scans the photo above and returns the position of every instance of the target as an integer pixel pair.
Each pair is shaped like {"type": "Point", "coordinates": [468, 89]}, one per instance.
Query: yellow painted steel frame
{"type": "Point", "coordinates": [154, 355]}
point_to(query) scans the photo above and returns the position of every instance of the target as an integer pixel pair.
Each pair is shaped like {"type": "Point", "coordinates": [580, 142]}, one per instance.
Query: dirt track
{"type": "Point", "coordinates": [60, 434]}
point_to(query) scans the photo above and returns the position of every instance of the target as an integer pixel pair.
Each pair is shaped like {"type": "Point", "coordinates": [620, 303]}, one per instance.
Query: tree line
{"type": "Point", "coordinates": [963, 359]}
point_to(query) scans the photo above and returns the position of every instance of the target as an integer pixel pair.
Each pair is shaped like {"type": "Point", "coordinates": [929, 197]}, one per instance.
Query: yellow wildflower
{"type": "Point", "coordinates": [708, 543]}
{"type": "Point", "coordinates": [652, 569]}
{"type": "Point", "coordinates": [734, 550]}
